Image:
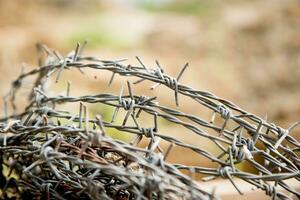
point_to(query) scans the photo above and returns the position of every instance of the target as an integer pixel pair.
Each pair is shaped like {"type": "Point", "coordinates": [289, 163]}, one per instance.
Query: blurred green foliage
{"type": "Point", "coordinates": [106, 113]}
{"type": "Point", "coordinates": [96, 38]}
{"type": "Point", "coordinates": [192, 7]}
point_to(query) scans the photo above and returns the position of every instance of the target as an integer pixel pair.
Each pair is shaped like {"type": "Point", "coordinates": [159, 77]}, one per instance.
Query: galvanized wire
{"type": "Point", "coordinates": [72, 160]}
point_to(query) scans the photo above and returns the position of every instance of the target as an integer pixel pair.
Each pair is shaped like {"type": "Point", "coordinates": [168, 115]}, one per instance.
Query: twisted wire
{"type": "Point", "coordinates": [73, 159]}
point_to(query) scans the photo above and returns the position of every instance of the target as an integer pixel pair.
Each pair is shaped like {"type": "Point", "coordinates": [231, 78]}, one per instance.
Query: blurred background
{"type": "Point", "coordinates": [245, 51]}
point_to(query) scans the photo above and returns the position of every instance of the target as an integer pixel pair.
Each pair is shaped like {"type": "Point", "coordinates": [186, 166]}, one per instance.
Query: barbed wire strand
{"type": "Point", "coordinates": [78, 159]}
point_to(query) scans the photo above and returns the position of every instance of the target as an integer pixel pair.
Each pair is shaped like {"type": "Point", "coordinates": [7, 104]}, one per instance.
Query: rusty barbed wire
{"type": "Point", "coordinates": [60, 154]}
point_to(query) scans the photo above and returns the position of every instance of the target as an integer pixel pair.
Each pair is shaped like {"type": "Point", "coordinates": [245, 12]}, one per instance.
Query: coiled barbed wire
{"type": "Point", "coordinates": [51, 159]}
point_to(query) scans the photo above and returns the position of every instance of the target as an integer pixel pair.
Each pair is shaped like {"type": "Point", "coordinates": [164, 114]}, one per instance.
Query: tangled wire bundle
{"type": "Point", "coordinates": [42, 157]}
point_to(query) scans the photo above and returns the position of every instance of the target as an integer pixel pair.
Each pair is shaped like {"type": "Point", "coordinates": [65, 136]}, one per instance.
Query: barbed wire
{"type": "Point", "coordinates": [77, 159]}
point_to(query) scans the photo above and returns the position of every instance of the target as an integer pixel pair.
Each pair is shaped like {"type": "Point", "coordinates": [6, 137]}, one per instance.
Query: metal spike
{"type": "Point", "coordinates": [86, 119]}
{"type": "Point", "coordinates": [5, 108]}
{"type": "Point", "coordinates": [139, 81]}
{"type": "Point", "coordinates": [256, 135]}
{"type": "Point", "coordinates": [182, 71]}
{"type": "Point", "coordinates": [40, 92]}
{"type": "Point", "coordinates": [135, 121]}
{"type": "Point", "coordinates": [80, 114]}
{"type": "Point", "coordinates": [140, 61]}
{"type": "Point", "coordinates": [115, 114]}
{"type": "Point", "coordinates": [121, 93]}
{"type": "Point", "coordinates": [279, 141]}
{"type": "Point", "coordinates": [155, 123]}
{"type": "Point", "coordinates": [129, 89]}
{"type": "Point", "coordinates": [111, 79]}
{"type": "Point", "coordinates": [82, 48]}
{"type": "Point", "coordinates": [155, 86]}
{"type": "Point", "coordinates": [213, 117]}
{"type": "Point", "coordinates": [168, 151]}
{"type": "Point", "coordinates": [136, 140]}
{"type": "Point", "coordinates": [39, 49]}
{"type": "Point", "coordinates": [76, 52]}
{"type": "Point", "coordinates": [100, 124]}
{"type": "Point", "coordinates": [60, 71]}
{"type": "Point", "coordinates": [293, 126]}
{"type": "Point", "coordinates": [68, 88]}
{"type": "Point", "coordinates": [58, 55]}
{"type": "Point", "coordinates": [176, 95]}
{"type": "Point", "coordinates": [126, 117]}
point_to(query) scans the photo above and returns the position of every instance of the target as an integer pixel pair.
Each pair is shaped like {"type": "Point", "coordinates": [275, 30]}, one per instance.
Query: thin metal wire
{"type": "Point", "coordinates": [77, 159]}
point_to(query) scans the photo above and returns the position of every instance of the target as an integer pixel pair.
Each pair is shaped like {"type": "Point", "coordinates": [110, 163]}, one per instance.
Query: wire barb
{"type": "Point", "coordinates": [61, 155]}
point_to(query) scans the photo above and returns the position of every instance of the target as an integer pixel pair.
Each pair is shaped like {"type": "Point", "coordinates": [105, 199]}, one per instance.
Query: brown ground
{"type": "Point", "coordinates": [247, 52]}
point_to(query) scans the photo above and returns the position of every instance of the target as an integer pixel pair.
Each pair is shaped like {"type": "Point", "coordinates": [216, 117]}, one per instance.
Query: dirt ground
{"type": "Point", "coordinates": [245, 51]}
